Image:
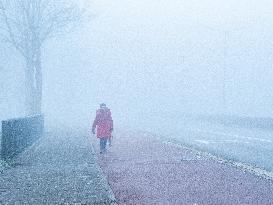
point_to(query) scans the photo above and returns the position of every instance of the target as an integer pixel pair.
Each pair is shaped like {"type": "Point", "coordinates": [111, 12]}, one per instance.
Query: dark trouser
{"type": "Point", "coordinates": [110, 141]}
{"type": "Point", "coordinates": [103, 142]}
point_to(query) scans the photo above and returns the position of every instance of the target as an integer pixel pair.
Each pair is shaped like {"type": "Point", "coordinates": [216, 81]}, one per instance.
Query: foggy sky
{"type": "Point", "coordinates": [155, 57]}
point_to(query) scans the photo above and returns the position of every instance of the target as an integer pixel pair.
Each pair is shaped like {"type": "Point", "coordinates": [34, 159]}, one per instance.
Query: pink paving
{"type": "Point", "coordinates": [143, 170]}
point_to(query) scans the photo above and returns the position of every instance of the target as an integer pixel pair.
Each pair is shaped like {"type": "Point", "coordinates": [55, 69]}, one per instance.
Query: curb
{"type": "Point", "coordinates": [257, 171]}
{"type": "Point", "coordinates": [104, 181]}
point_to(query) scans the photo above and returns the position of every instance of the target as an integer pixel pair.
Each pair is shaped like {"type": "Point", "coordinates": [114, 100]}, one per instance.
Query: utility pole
{"type": "Point", "coordinates": [225, 55]}
{"type": "Point", "coordinates": [226, 33]}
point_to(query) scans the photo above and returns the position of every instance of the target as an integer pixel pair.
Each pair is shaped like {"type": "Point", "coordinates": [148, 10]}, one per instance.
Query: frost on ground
{"type": "Point", "coordinates": [3, 165]}
{"type": "Point", "coordinates": [61, 169]}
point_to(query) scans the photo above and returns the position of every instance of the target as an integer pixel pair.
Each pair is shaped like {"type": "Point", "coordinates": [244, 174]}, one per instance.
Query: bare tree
{"type": "Point", "coordinates": [27, 25]}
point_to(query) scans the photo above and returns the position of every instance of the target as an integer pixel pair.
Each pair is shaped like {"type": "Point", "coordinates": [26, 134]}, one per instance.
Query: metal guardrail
{"type": "Point", "coordinates": [18, 134]}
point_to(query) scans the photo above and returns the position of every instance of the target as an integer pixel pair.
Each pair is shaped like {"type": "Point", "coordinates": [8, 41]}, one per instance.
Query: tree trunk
{"type": "Point", "coordinates": [39, 81]}
{"type": "Point", "coordinates": [33, 83]}
{"type": "Point", "coordinates": [29, 89]}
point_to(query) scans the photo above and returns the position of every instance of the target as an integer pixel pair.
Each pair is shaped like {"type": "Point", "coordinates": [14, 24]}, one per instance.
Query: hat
{"type": "Point", "coordinates": [102, 105]}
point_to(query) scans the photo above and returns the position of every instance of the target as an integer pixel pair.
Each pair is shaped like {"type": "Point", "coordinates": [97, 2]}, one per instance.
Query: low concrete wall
{"type": "Point", "coordinates": [18, 134]}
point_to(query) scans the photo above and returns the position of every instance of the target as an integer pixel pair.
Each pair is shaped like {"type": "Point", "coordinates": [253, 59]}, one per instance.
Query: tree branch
{"type": "Point", "coordinates": [11, 38]}
{"type": "Point", "coordinates": [29, 23]}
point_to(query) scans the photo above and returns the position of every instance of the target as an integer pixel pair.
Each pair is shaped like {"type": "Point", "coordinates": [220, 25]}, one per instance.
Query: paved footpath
{"type": "Point", "coordinates": [143, 170]}
{"type": "Point", "coordinates": [60, 169]}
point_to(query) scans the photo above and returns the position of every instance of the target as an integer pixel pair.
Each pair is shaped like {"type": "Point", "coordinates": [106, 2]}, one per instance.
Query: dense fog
{"type": "Point", "coordinates": [153, 58]}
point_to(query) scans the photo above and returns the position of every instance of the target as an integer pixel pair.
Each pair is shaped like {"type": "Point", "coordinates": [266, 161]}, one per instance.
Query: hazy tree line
{"type": "Point", "coordinates": [27, 25]}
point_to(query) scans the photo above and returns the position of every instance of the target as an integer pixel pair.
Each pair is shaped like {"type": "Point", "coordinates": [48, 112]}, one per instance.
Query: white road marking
{"type": "Point", "coordinates": [202, 141]}
{"type": "Point", "coordinates": [220, 141]}
{"type": "Point", "coordinates": [236, 136]}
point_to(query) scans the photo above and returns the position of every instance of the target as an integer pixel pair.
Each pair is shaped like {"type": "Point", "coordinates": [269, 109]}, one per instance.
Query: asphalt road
{"type": "Point", "coordinates": [142, 169]}
{"type": "Point", "coordinates": [251, 146]}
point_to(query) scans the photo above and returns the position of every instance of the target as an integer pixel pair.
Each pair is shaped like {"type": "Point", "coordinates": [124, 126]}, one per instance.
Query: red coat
{"type": "Point", "coordinates": [103, 122]}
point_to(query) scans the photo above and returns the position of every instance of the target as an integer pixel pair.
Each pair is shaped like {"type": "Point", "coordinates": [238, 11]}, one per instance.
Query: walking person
{"type": "Point", "coordinates": [104, 124]}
